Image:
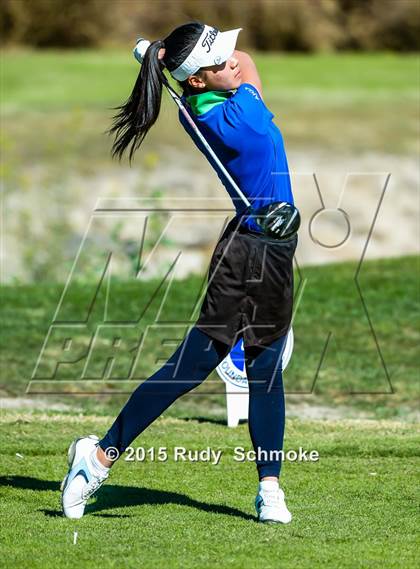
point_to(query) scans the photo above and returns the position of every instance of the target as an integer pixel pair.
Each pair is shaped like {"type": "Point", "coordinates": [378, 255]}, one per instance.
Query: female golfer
{"type": "Point", "coordinates": [250, 282]}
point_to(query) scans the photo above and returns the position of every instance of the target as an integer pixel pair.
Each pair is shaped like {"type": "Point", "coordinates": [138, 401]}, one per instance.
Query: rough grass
{"type": "Point", "coordinates": [354, 508]}
{"type": "Point", "coordinates": [329, 319]}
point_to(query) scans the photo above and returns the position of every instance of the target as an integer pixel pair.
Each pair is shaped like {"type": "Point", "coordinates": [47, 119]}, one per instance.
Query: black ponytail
{"type": "Point", "coordinates": [141, 110]}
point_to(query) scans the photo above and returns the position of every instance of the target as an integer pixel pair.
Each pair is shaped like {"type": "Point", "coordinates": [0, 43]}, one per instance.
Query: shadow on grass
{"type": "Point", "coordinates": [59, 514]}
{"type": "Point", "coordinates": [112, 496]}
{"type": "Point", "coordinates": [200, 419]}
{"type": "Point", "coordinates": [212, 420]}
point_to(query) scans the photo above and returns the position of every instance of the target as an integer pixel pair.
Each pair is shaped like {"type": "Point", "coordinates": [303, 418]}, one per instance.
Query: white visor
{"type": "Point", "coordinates": [212, 48]}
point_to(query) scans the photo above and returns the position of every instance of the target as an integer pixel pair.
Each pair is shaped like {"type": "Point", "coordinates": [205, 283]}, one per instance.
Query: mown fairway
{"type": "Point", "coordinates": [372, 99]}
{"type": "Point", "coordinates": [354, 508]}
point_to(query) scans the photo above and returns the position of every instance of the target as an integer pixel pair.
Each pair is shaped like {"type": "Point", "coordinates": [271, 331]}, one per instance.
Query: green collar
{"type": "Point", "coordinates": [203, 102]}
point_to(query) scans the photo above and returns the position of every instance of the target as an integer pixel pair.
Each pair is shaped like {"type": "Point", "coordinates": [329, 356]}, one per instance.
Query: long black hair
{"type": "Point", "coordinates": [141, 110]}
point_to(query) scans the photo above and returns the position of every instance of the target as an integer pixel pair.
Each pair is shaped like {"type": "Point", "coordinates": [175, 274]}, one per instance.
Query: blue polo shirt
{"type": "Point", "coordinates": [240, 130]}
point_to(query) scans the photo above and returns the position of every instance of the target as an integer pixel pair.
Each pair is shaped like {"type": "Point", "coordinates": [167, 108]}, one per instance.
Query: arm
{"type": "Point", "coordinates": [248, 70]}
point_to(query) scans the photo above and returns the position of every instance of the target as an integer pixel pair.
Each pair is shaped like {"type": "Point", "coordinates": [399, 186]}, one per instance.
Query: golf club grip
{"type": "Point", "coordinates": [206, 145]}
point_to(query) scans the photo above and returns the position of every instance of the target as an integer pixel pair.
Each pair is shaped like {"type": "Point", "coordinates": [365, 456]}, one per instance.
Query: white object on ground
{"type": "Point", "coordinates": [232, 371]}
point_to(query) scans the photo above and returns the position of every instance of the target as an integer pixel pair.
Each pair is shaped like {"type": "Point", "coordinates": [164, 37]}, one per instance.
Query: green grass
{"type": "Point", "coordinates": [351, 373]}
{"type": "Point", "coordinates": [372, 99]}
{"type": "Point", "coordinates": [52, 79]}
{"type": "Point", "coordinates": [354, 508]}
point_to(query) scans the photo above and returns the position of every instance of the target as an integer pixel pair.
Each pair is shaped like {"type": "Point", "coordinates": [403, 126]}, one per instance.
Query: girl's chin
{"type": "Point", "coordinates": [234, 85]}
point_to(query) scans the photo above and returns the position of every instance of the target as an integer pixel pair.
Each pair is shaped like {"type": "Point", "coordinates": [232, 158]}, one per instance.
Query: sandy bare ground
{"type": "Point", "coordinates": [351, 205]}
{"type": "Point", "coordinates": [300, 410]}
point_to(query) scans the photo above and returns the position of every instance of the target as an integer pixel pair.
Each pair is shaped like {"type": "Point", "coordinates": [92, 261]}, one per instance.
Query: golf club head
{"type": "Point", "coordinates": [278, 220]}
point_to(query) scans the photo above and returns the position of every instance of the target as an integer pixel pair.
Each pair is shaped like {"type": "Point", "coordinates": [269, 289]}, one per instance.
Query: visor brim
{"type": "Point", "coordinates": [223, 48]}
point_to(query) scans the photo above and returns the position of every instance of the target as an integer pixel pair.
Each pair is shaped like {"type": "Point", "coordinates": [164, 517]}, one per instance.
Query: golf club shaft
{"type": "Point", "coordinates": [206, 145]}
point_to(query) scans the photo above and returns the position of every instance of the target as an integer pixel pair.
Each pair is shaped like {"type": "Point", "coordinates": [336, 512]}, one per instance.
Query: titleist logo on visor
{"type": "Point", "coordinates": [209, 38]}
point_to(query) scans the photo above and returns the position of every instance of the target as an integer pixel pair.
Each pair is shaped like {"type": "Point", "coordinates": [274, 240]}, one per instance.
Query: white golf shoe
{"type": "Point", "coordinates": [271, 506]}
{"type": "Point", "coordinates": [83, 477]}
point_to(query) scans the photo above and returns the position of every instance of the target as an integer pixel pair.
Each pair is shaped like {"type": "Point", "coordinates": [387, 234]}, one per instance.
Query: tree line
{"type": "Point", "coordinates": [268, 25]}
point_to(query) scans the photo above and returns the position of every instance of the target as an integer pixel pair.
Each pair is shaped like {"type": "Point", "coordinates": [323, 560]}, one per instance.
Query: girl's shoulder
{"type": "Point", "coordinates": [246, 107]}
